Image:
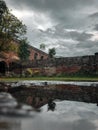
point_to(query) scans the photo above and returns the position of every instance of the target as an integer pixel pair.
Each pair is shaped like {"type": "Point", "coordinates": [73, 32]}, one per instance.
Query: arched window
{"type": "Point", "coordinates": [35, 56]}
{"type": "Point", "coordinates": [42, 57]}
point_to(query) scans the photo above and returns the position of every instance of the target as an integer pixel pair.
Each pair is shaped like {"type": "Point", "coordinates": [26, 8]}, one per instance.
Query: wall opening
{"type": "Point", "coordinates": [35, 56]}
{"type": "Point", "coordinates": [42, 57]}
{"type": "Point", "coordinates": [3, 67]}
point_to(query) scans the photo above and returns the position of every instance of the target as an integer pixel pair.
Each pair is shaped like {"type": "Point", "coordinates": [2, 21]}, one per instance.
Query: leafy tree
{"type": "Point", "coordinates": [24, 50]}
{"type": "Point", "coordinates": [3, 9]}
{"type": "Point", "coordinates": [13, 47]}
{"type": "Point", "coordinates": [42, 46]}
{"type": "Point", "coordinates": [52, 52]}
{"type": "Point", "coordinates": [10, 28]}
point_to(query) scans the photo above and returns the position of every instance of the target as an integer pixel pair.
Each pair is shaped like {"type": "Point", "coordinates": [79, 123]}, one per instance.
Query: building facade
{"type": "Point", "coordinates": [36, 54]}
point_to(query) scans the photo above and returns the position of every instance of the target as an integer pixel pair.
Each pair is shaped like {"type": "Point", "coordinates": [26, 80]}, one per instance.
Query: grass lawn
{"type": "Point", "coordinates": [52, 78]}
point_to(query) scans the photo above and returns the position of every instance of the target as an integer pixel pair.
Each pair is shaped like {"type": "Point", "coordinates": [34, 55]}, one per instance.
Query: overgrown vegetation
{"type": "Point", "coordinates": [11, 28]}
{"type": "Point", "coordinates": [23, 50]}
{"type": "Point", "coordinates": [52, 52]}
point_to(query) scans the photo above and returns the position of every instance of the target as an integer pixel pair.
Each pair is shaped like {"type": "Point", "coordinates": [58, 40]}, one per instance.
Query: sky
{"type": "Point", "coordinates": [71, 26]}
{"type": "Point", "coordinates": [68, 115]}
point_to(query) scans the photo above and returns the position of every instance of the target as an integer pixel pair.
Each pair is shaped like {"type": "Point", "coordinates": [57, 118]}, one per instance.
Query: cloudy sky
{"type": "Point", "coordinates": [71, 26]}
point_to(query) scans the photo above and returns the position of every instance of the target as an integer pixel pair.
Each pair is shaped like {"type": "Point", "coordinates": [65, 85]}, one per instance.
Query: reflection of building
{"type": "Point", "coordinates": [10, 125]}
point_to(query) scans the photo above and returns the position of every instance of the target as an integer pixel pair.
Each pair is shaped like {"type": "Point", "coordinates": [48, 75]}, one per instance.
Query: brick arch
{"type": "Point", "coordinates": [42, 57]}
{"type": "Point", "coordinates": [3, 67]}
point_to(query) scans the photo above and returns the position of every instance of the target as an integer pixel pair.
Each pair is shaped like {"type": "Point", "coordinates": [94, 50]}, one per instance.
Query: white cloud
{"type": "Point", "coordinates": [37, 19]}
{"type": "Point", "coordinates": [21, 14]}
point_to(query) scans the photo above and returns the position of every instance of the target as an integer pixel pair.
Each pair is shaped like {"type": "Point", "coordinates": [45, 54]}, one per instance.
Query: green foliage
{"type": "Point", "coordinates": [13, 47]}
{"type": "Point", "coordinates": [52, 52]}
{"type": "Point", "coordinates": [42, 46]}
{"type": "Point", "coordinates": [10, 27]}
{"type": "Point", "coordinates": [53, 78]}
{"type": "Point", "coordinates": [28, 72]}
{"type": "Point", "coordinates": [24, 50]}
{"type": "Point", "coordinates": [3, 9]}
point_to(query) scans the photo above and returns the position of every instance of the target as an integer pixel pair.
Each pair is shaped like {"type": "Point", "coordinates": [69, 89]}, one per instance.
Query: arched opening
{"type": "Point", "coordinates": [42, 57]}
{"type": "Point", "coordinates": [35, 56]}
{"type": "Point", "coordinates": [15, 67]}
{"type": "Point", "coordinates": [3, 67]}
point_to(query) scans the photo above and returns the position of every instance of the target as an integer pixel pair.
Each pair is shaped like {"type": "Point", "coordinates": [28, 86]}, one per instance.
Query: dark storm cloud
{"type": "Point", "coordinates": [96, 27]}
{"type": "Point", "coordinates": [94, 15]}
{"type": "Point", "coordinates": [65, 11]}
{"type": "Point", "coordinates": [72, 24]}
{"type": "Point", "coordinates": [88, 44]}
{"type": "Point", "coordinates": [52, 4]}
{"type": "Point", "coordinates": [80, 36]}
{"type": "Point", "coordinates": [62, 32]}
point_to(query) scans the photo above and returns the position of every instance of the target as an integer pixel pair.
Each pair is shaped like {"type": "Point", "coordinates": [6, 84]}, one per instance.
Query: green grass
{"type": "Point", "coordinates": [52, 78]}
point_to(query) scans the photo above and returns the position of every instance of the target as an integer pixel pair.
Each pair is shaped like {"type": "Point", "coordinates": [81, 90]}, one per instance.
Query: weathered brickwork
{"type": "Point", "coordinates": [56, 66]}
{"type": "Point", "coordinates": [68, 65]}
{"type": "Point", "coordinates": [36, 54]}
{"type": "Point", "coordinates": [40, 63]}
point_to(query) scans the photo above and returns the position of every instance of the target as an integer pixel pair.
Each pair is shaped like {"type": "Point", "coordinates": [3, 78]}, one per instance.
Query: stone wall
{"type": "Point", "coordinates": [68, 65]}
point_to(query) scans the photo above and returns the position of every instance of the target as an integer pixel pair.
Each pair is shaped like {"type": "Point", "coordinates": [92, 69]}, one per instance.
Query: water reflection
{"type": "Point", "coordinates": [51, 105]}
{"type": "Point", "coordinates": [10, 125]}
{"type": "Point", "coordinates": [13, 114]}
{"type": "Point", "coordinates": [67, 116]}
{"type": "Point", "coordinates": [10, 107]}
{"type": "Point", "coordinates": [6, 100]}
{"type": "Point", "coordinates": [46, 82]}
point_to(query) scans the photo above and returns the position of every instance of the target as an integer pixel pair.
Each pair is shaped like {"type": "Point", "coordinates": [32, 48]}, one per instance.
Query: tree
{"type": "Point", "coordinates": [42, 46]}
{"type": "Point", "coordinates": [24, 50]}
{"type": "Point", "coordinates": [3, 9]}
{"type": "Point", "coordinates": [10, 28]}
{"type": "Point", "coordinates": [52, 52]}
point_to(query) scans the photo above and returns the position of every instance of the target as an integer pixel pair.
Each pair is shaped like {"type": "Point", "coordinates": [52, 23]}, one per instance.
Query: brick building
{"type": "Point", "coordinates": [39, 62]}
{"type": "Point", "coordinates": [36, 54]}
{"type": "Point", "coordinates": [8, 58]}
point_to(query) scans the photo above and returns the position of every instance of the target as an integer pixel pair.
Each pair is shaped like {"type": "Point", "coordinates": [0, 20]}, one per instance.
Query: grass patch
{"type": "Point", "coordinates": [52, 79]}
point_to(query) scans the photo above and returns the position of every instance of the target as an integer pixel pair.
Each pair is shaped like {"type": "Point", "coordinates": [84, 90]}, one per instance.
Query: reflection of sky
{"type": "Point", "coordinates": [67, 116]}
{"type": "Point", "coordinates": [40, 82]}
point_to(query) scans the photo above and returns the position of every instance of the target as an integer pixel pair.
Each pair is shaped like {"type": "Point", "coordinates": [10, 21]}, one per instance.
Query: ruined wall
{"type": "Point", "coordinates": [96, 62]}
{"type": "Point", "coordinates": [68, 65]}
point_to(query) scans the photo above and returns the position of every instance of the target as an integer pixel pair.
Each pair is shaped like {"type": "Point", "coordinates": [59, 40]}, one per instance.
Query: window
{"type": "Point", "coordinates": [35, 56]}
